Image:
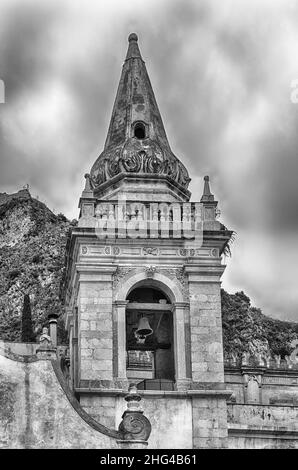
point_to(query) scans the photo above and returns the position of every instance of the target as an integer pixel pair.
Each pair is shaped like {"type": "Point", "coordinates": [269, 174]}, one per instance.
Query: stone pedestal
{"type": "Point", "coordinates": [132, 444]}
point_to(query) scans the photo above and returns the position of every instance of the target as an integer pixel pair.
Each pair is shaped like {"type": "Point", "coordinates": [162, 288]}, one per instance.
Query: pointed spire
{"type": "Point", "coordinates": [136, 141]}
{"type": "Point", "coordinates": [207, 195]}
{"type": "Point", "coordinates": [135, 101]}
{"type": "Point", "coordinates": [133, 51]}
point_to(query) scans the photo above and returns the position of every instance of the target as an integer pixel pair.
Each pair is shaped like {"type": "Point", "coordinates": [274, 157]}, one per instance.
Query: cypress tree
{"type": "Point", "coordinates": [27, 329]}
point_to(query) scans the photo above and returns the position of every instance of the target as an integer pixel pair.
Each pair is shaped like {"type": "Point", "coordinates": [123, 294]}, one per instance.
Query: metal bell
{"type": "Point", "coordinates": [144, 329]}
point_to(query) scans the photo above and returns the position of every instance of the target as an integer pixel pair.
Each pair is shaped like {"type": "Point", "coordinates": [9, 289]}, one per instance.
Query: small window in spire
{"type": "Point", "coordinates": [139, 130]}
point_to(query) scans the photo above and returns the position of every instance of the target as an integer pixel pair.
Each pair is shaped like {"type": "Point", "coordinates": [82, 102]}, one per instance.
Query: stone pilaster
{"type": "Point", "coordinates": [205, 323]}
{"type": "Point", "coordinates": [179, 314]}
{"type": "Point", "coordinates": [95, 335]}
{"type": "Point", "coordinates": [120, 342]}
{"type": "Point", "coordinates": [210, 420]}
{"type": "Point", "coordinates": [209, 404]}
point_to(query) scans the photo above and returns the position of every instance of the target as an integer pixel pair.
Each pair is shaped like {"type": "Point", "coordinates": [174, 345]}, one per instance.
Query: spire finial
{"type": "Point", "coordinates": [88, 192]}
{"type": "Point", "coordinates": [133, 48]}
{"type": "Point", "coordinates": [133, 37]}
{"type": "Point", "coordinates": [207, 195]}
{"type": "Point", "coordinates": [87, 182]}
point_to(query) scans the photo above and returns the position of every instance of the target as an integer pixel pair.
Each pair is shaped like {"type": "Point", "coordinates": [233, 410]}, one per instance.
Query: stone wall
{"type": "Point", "coordinates": [206, 331]}
{"type": "Point", "coordinates": [179, 420]}
{"type": "Point", "coordinates": [36, 413]}
{"type": "Point", "coordinates": [261, 426]}
{"type": "Point", "coordinates": [275, 386]}
{"type": "Point", "coordinates": [170, 417]}
{"type": "Point", "coordinates": [209, 423]}
{"type": "Point", "coordinates": [24, 349]}
{"type": "Point", "coordinates": [95, 327]}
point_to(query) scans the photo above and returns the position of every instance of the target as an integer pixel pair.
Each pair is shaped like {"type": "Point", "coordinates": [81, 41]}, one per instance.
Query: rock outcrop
{"type": "Point", "coordinates": [32, 260]}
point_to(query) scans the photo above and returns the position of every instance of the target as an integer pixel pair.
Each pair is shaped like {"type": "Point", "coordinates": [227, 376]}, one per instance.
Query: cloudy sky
{"type": "Point", "coordinates": [223, 73]}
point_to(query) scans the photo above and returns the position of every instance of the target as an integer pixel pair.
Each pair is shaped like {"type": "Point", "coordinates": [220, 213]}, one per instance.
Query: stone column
{"type": "Point", "coordinates": [71, 368]}
{"type": "Point", "coordinates": [95, 325]}
{"type": "Point", "coordinates": [69, 321]}
{"type": "Point", "coordinates": [180, 344]}
{"type": "Point", "coordinates": [252, 382]}
{"type": "Point", "coordinates": [206, 323]}
{"type": "Point", "coordinates": [53, 327]}
{"type": "Point", "coordinates": [120, 343]}
{"type": "Point", "coordinates": [209, 401]}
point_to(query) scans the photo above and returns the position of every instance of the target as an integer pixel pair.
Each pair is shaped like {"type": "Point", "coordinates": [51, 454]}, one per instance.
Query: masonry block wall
{"type": "Point", "coordinates": [209, 422]}
{"type": "Point", "coordinates": [209, 411]}
{"type": "Point", "coordinates": [206, 332]}
{"type": "Point", "coordinates": [35, 412]}
{"type": "Point", "coordinates": [95, 335]}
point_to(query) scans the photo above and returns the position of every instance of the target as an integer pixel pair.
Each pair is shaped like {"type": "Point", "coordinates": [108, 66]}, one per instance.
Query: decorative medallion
{"type": "Point", "coordinates": [150, 251]}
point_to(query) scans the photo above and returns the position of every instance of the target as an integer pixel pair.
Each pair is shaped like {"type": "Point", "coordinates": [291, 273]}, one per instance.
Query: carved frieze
{"type": "Point", "coordinates": [149, 250]}
{"type": "Point", "coordinates": [137, 156]}
{"type": "Point", "coordinates": [120, 274]}
{"type": "Point", "coordinates": [176, 274]}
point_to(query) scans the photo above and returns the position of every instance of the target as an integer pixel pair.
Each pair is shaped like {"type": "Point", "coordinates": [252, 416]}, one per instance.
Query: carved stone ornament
{"type": "Point", "coordinates": [176, 274]}
{"type": "Point", "coordinates": [294, 353]}
{"type": "Point", "coordinates": [150, 270]}
{"type": "Point", "coordinates": [45, 339]}
{"type": "Point", "coordinates": [134, 425]}
{"type": "Point", "coordinates": [120, 274]}
{"type": "Point", "coordinates": [135, 156]}
{"type": "Point", "coordinates": [150, 251]}
{"type": "Point", "coordinates": [116, 250]}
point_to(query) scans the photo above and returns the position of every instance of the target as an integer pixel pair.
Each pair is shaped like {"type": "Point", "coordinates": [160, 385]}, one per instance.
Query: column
{"type": "Point", "coordinates": [120, 343]}
{"type": "Point", "coordinates": [180, 344]}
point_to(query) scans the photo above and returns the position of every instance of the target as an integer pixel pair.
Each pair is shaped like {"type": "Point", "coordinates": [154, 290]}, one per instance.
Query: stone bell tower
{"type": "Point", "coordinates": [143, 280]}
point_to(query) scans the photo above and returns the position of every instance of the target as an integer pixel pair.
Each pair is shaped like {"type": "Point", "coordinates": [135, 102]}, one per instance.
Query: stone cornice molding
{"type": "Point", "coordinates": [181, 304]}
{"type": "Point", "coordinates": [95, 268]}
{"type": "Point", "coordinates": [120, 303]}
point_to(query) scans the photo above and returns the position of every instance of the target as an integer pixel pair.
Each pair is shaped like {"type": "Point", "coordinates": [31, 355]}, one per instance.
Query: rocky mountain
{"type": "Point", "coordinates": [32, 261]}
{"type": "Point", "coordinates": [247, 329]}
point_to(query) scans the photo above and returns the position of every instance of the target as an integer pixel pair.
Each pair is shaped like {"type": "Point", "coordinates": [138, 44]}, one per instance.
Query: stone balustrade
{"type": "Point", "coordinates": [175, 216]}
{"type": "Point", "coordinates": [262, 361]}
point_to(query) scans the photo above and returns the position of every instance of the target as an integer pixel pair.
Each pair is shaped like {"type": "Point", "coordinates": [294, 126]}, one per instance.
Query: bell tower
{"type": "Point", "coordinates": [143, 280]}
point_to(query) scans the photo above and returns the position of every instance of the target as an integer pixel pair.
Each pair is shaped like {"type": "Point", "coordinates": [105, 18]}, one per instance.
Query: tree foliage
{"type": "Point", "coordinates": [247, 329]}
{"type": "Point", "coordinates": [27, 329]}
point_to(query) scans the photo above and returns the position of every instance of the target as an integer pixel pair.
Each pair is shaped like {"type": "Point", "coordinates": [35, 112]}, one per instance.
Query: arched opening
{"type": "Point", "coordinates": [149, 339]}
{"type": "Point", "coordinates": [139, 130]}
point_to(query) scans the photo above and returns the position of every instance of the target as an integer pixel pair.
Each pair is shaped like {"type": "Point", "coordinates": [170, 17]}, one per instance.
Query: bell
{"type": "Point", "coordinates": [144, 329]}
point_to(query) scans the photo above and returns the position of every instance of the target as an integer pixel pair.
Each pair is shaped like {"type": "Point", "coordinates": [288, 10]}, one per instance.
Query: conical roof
{"type": "Point", "coordinates": [136, 143]}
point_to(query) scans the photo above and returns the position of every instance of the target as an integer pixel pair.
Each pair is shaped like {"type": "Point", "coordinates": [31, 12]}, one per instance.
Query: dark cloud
{"type": "Point", "coordinates": [27, 41]}
{"type": "Point", "coordinates": [221, 73]}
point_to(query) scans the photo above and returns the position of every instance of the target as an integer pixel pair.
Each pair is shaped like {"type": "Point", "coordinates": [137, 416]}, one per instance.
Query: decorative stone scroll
{"type": "Point", "coordinates": [150, 251]}
{"type": "Point", "coordinates": [120, 274]}
{"type": "Point", "coordinates": [134, 425]}
{"type": "Point", "coordinates": [146, 157]}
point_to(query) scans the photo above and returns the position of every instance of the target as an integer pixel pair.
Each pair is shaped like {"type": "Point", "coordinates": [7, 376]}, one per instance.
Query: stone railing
{"type": "Point", "coordinates": [262, 361]}
{"type": "Point", "coordinates": [161, 217]}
